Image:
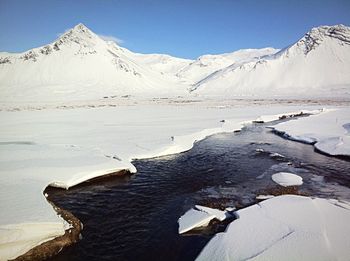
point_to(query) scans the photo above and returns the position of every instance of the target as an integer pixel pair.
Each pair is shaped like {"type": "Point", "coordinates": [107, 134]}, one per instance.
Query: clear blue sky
{"type": "Point", "coordinates": [177, 27]}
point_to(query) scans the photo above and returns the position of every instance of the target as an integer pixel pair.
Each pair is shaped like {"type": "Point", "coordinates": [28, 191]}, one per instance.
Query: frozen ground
{"type": "Point", "coordinates": [285, 228]}
{"type": "Point", "coordinates": [64, 147]}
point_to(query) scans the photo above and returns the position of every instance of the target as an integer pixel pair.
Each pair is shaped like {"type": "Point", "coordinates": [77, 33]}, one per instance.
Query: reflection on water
{"type": "Point", "coordinates": [135, 218]}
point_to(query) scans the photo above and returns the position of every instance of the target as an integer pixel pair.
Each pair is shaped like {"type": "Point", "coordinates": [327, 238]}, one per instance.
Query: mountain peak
{"type": "Point", "coordinates": [81, 28]}
{"type": "Point", "coordinates": [81, 25]}
{"type": "Point", "coordinates": [339, 31]}
{"type": "Point", "coordinates": [79, 35]}
{"type": "Point", "coordinates": [317, 36]}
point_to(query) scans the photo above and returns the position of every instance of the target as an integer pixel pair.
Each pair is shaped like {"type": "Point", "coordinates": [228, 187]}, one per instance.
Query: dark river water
{"type": "Point", "coordinates": [135, 218]}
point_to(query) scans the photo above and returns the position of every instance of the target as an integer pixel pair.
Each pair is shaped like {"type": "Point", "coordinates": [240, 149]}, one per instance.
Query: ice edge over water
{"type": "Point", "coordinates": [179, 144]}
{"type": "Point", "coordinates": [327, 132]}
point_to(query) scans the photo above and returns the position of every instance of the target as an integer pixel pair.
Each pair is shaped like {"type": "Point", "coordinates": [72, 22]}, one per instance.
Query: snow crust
{"type": "Point", "coordinates": [292, 227]}
{"type": "Point", "coordinates": [66, 147]}
{"type": "Point", "coordinates": [328, 131]}
{"type": "Point", "coordinates": [286, 179]}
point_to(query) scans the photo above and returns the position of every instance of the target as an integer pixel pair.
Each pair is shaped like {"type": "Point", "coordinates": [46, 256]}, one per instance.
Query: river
{"type": "Point", "coordinates": [135, 217]}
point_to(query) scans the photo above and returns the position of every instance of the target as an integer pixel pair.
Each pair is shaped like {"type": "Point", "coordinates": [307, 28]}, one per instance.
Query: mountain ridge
{"type": "Point", "coordinates": [81, 65]}
{"type": "Point", "coordinates": [316, 64]}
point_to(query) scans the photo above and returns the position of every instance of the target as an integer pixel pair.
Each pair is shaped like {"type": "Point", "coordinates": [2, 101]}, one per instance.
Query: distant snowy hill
{"type": "Point", "coordinates": [191, 71]}
{"type": "Point", "coordinates": [80, 65]}
{"type": "Point", "coordinates": [208, 64]}
{"type": "Point", "coordinates": [316, 65]}
{"type": "Point", "coordinates": [163, 63]}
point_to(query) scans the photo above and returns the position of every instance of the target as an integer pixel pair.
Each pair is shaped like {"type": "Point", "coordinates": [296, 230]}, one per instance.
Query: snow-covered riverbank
{"type": "Point", "coordinates": [287, 227]}
{"type": "Point", "coordinates": [328, 131]}
{"type": "Point", "coordinates": [66, 147]}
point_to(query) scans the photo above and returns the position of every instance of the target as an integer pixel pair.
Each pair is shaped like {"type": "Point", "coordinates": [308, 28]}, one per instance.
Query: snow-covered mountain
{"type": "Point", "coordinates": [316, 65]}
{"type": "Point", "coordinates": [80, 65]}
{"type": "Point", "coordinates": [208, 64]}
{"type": "Point", "coordinates": [163, 63]}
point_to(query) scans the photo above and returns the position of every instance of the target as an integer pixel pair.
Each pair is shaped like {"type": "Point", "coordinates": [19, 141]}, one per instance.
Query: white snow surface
{"type": "Point", "coordinates": [285, 228]}
{"type": "Point", "coordinates": [286, 179]}
{"type": "Point", "coordinates": [328, 131]}
{"type": "Point", "coordinates": [64, 147]}
{"type": "Point", "coordinates": [19, 238]}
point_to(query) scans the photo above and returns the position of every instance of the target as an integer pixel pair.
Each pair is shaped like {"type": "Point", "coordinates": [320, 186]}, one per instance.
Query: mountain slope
{"type": "Point", "coordinates": [208, 64]}
{"type": "Point", "coordinates": [163, 63]}
{"type": "Point", "coordinates": [316, 65]}
{"type": "Point", "coordinates": [79, 65]}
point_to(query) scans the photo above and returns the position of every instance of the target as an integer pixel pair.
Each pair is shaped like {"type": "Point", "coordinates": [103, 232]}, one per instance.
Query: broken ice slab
{"type": "Point", "coordinates": [192, 219]}
{"type": "Point", "coordinates": [200, 216]}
